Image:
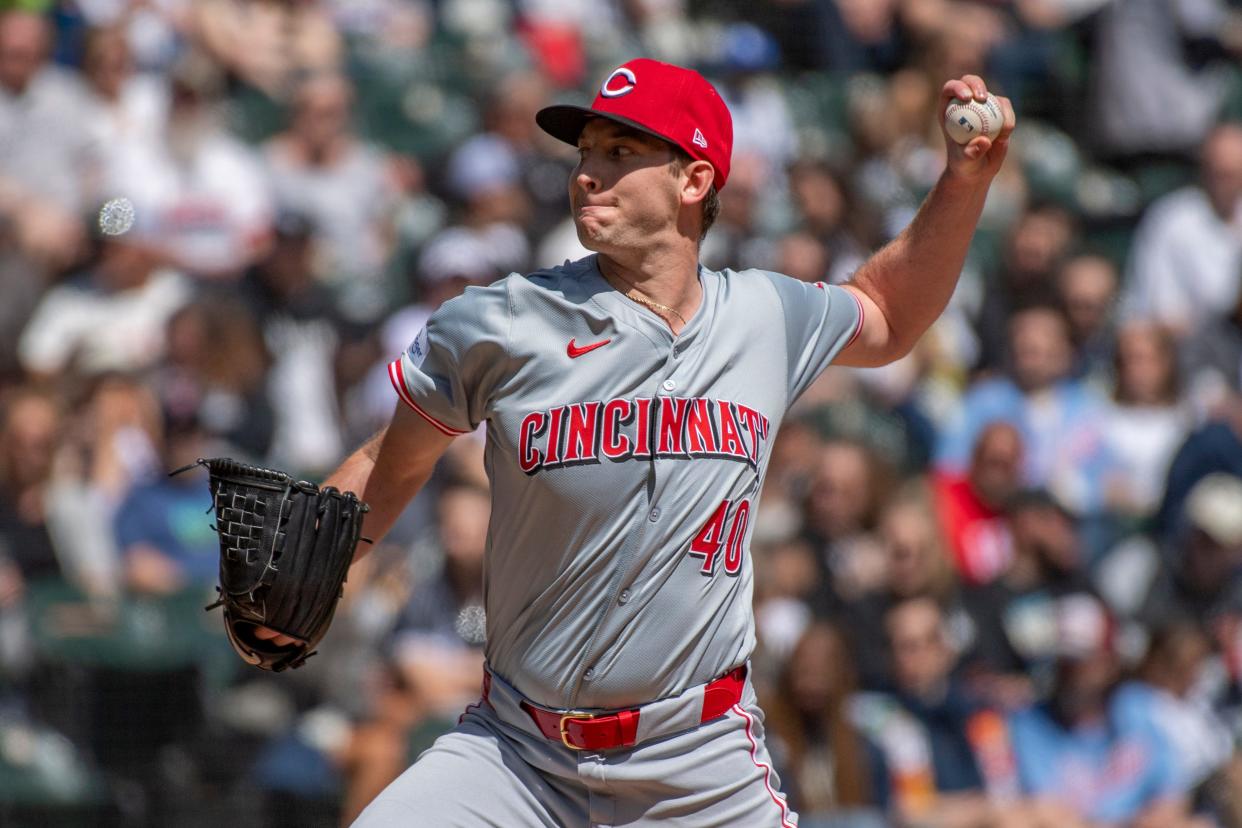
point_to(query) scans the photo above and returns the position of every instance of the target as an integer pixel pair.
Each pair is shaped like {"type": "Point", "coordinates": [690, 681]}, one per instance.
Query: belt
{"type": "Point", "coordinates": [581, 730]}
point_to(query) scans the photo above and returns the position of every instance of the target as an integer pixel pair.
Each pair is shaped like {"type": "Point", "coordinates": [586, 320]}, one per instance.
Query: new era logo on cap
{"type": "Point", "coordinates": [667, 101]}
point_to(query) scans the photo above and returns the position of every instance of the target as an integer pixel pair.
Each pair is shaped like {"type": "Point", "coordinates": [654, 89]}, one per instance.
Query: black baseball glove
{"type": "Point", "coordinates": [285, 549]}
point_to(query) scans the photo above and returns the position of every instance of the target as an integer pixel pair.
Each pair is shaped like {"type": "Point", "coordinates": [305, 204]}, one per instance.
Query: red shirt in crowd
{"type": "Point", "coordinates": [978, 534]}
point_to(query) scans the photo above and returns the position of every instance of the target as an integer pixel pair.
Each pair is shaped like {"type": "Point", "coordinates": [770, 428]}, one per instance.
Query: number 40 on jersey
{"type": "Point", "coordinates": [707, 544]}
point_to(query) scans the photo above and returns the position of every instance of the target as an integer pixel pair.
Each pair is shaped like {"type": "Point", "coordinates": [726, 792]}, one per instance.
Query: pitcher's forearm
{"type": "Point", "coordinates": [905, 286]}
{"type": "Point", "coordinates": [389, 469]}
{"type": "Point", "coordinates": [385, 486]}
{"type": "Point", "coordinates": [353, 473]}
{"type": "Point", "coordinates": [912, 279]}
{"type": "Point", "coordinates": [387, 499]}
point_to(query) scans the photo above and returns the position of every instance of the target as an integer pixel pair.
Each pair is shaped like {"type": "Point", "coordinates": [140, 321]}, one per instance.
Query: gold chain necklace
{"type": "Point", "coordinates": [636, 295]}
{"type": "Point", "coordinates": [654, 305]}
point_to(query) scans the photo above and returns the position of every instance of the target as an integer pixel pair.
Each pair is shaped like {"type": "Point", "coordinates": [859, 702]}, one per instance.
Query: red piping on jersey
{"type": "Point", "coordinates": [398, 382]}
{"type": "Point", "coordinates": [470, 708]}
{"type": "Point", "coordinates": [767, 769]}
{"type": "Point", "coordinates": [862, 317]}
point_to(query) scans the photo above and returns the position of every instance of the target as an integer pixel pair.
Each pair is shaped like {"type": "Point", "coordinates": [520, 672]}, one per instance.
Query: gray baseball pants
{"type": "Point", "coordinates": [496, 769]}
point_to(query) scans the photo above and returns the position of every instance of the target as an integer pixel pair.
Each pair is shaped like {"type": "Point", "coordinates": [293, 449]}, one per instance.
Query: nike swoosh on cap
{"type": "Point", "coordinates": [574, 350]}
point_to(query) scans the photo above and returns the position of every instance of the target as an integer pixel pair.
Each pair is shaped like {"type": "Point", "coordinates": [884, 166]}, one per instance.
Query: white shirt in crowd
{"type": "Point", "coordinates": [1185, 263]}
{"type": "Point", "coordinates": [96, 331]}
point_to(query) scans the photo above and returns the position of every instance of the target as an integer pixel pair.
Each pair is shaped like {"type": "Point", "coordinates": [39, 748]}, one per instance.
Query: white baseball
{"type": "Point", "coordinates": [964, 120]}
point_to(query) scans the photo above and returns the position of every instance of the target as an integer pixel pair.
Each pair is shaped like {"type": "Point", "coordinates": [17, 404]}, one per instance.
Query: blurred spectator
{"type": "Point", "coordinates": [843, 503]}
{"type": "Point", "coordinates": [976, 30]}
{"type": "Point", "coordinates": [1202, 564]}
{"type": "Point", "coordinates": [824, 209]}
{"type": "Point", "coordinates": [1087, 287]}
{"type": "Point", "coordinates": [791, 465]}
{"type": "Point", "coordinates": [484, 177]}
{"type": "Point", "coordinates": [1215, 446]}
{"type": "Point", "coordinates": [454, 259]}
{"type": "Point", "coordinates": [1035, 248]}
{"type": "Point", "coordinates": [763, 126]}
{"type": "Point", "coordinates": [123, 107]}
{"type": "Point", "coordinates": [109, 446]}
{"type": "Point", "coordinates": [738, 238]}
{"type": "Point", "coordinates": [1169, 688]}
{"type": "Point", "coordinates": [32, 425]}
{"type": "Point", "coordinates": [1058, 417]}
{"type": "Point", "coordinates": [1225, 691]}
{"type": "Point", "coordinates": [972, 505]}
{"type": "Point", "coordinates": [1147, 422]}
{"type": "Point", "coordinates": [152, 29]}
{"type": "Point", "coordinates": [553, 32]}
{"type": "Point", "coordinates": [200, 189]}
{"type": "Point", "coordinates": [217, 371]}
{"type": "Point", "coordinates": [320, 168]}
{"type": "Point", "coordinates": [113, 439]}
{"type": "Point", "coordinates": [48, 173]}
{"type": "Point", "coordinates": [905, 399]}
{"type": "Point", "coordinates": [803, 257]}
{"type": "Point", "coordinates": [895, 166]}
{"type": "Point", "coordinates": [1186, 256]}
{"type": "Point", "coordinates": [438, 639]}
{"type": "Point", "coordinates": [1211, 361]}
{"type": "Point", "coordinates": [1081, 749]}
{"type": "Point", "coordinates": [111, 317]}
{"type": "Point", "coordinates": [841, 35]}
{"type": "Point", "coordinates": [786, 579]}
{"type": "Point", "coordinates": [662, 28]}
{"type": "Point", "coordinates": [1148, 96]}
{"type": "Point", "coordinates": [922, 730]}
{"type": "Point", "coordinates": [915, 564]}
{"type": "Point", "coordinates": [165, 544]}
{"type": "Point", "coordinates": [303, 331]}
{"type": "Point", "coordinates": [1013, 618]}
{"type": "Point", "coordinates": [856, 405]}
{"type": "Point", "coordinates": [22, 285]}
{"type": "Point", "coordinates": [543, 164]}
{"type": "Point", "coordinates": [267, 43]}
{"type": "Point", "coordinates": [824, 762]}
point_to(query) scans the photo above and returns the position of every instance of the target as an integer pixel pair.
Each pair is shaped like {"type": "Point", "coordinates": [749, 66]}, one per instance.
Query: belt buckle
{"type": "Point", "coordinates": [565, 735]}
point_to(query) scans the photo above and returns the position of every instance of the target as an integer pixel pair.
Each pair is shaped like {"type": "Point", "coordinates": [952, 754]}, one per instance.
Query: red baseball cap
{"type": "Point", "coordinates": [672, 103]}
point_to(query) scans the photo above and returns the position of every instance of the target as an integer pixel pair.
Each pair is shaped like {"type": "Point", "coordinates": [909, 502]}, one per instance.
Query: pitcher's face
{"type": "Point", "coordinates": [623, 189]}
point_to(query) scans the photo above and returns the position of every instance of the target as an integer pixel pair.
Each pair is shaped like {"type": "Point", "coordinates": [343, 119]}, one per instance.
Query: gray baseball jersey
{"type": "Point", "coordinates": [626, 464]}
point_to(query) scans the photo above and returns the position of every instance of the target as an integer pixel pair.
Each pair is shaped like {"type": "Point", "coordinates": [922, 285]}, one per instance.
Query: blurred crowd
{"type": "Point", "coordinates": [997, 583]}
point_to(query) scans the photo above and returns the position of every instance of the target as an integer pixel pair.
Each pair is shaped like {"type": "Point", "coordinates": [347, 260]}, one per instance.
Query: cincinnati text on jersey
{"type": "Point", "coordinates": [640, 428]}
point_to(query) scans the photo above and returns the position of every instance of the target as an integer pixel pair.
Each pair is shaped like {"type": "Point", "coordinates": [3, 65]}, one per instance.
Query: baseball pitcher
{"type": "Point", "coordinates": [631, 399]}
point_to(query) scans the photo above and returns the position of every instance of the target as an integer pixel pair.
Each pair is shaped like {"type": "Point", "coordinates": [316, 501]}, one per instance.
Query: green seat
{"type": "Point", "coordinates": [132, 633]}
{"type": "Point", "coordinates": [41, 772]}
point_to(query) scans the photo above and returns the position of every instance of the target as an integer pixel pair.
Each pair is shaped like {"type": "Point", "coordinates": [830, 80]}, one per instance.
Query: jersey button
{"type": "Point", "coordinates": [589, 674]}
{"type": "Point", "coordinates": [624, 598]}
{"type": "Point", "coordinates": [669, 385]}
{"type": "Point", "coordinates": [655, 514]}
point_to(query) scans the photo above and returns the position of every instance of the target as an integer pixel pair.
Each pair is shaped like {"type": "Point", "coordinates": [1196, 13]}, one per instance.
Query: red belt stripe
{"type": "Point", "coordinates": [619, 728]}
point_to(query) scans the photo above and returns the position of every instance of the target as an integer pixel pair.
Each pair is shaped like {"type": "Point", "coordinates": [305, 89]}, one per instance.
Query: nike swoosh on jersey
{"type": "Point", "coordinates": [574, 350]}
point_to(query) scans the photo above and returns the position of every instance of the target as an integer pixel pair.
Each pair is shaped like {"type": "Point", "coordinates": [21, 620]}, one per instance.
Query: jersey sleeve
{"type": "Point", "coordinates": [452, 370]}
{"type": "Point", "coordinates": [820, 320]}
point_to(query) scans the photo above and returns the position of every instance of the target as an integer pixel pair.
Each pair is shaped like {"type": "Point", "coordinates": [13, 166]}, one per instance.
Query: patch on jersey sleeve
{"type": "Point", "coordinates": [418, 348]}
